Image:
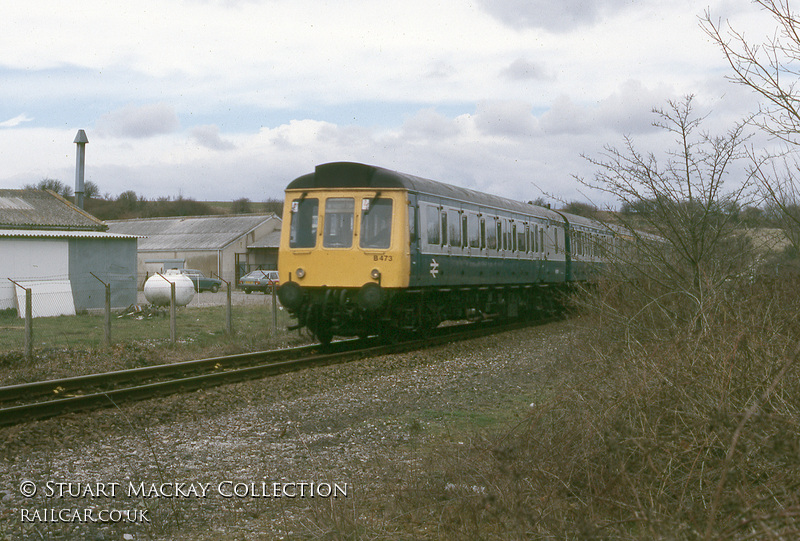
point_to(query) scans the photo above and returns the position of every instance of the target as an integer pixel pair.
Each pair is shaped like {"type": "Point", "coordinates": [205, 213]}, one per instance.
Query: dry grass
{"type": "Point", "coordinates": [72, 345]}
{"type": "Point", "coordinates": [654, 432]}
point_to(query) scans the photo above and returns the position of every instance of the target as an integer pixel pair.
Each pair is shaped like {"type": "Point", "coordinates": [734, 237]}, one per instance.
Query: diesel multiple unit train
{"type": "Point", "coordinates": [365, 250]}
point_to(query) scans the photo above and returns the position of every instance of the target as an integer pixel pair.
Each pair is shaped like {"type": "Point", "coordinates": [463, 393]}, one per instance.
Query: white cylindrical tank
{"type": "Point", "coordinates": [157, 288]}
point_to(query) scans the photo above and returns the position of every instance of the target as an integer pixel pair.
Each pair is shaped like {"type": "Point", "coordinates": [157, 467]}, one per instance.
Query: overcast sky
{"type": "Point", "coordinates": [222, 99]}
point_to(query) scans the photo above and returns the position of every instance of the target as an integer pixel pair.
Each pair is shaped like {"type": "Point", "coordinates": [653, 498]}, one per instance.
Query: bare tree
{"type": "Point", "coordinates": [91, 190]}
{"type": "Point", "coordinates": [680, 227]}
{"type": "Point", "coordinates": [53, 185]}
{"type": "Point", "coordinates": [770, 68]}
{"type": "Point", "coordinates": [241, 206]}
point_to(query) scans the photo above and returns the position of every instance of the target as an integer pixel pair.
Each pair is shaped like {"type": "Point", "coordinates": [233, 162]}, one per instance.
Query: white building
{"type": "Point", "coordinates": [63, 254]}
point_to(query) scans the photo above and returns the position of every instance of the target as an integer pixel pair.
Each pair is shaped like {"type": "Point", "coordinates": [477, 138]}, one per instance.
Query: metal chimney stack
{"type": "Point", "coordinates": [80, 166]}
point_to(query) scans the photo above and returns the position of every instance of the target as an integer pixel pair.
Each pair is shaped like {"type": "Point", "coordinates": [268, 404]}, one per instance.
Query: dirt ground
{"type": "Point", "coordinates": [315, 454]}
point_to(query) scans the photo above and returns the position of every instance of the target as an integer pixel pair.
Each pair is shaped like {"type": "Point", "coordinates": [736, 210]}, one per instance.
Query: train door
{"type": "Point", "coordinates": [415, 235]}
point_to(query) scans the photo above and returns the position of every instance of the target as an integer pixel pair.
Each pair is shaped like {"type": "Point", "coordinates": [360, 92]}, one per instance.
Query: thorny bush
{"type": "Point", "coordinates": [654, 431]}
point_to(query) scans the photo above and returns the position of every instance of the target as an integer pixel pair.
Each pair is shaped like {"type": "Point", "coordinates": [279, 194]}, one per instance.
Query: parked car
{"type": "Point", "coordinates": [259, 280]}
{"type": "Point", "coordinates": [201, 281]}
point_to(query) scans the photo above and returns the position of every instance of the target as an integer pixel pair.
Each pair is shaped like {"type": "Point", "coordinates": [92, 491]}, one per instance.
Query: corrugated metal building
{"type": "Point", "coordinates": [52, 247]}
{"type": "Point", "coordinates": [223, 246]}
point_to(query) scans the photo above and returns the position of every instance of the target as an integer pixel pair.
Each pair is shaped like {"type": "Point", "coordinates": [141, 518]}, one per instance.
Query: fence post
{"type": "Point", "coordinates": [28, 319]}
{"type": "Point", "coordinates": [274, 311]}
{"type": "Point", "coordinates": [107, 317]}
{"type": "Point", "coordinates": [28, 323]}
{"type": "Point", "coordinates": [228, 314]}
{"type": "Point", "coordinates": [107, 313]}
{"type": "Point", "coordinates": [172, 327]}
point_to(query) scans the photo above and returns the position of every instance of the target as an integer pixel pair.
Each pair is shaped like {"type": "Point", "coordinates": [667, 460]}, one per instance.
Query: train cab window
{"type": "Point", "coordinates": [432, 225]}
{"type": "Point", "coordinates": [376, 223]}
{"type": "Point", "coordinates": [338, 223]}
{"type": "Point", "coordinates": [303, 229]}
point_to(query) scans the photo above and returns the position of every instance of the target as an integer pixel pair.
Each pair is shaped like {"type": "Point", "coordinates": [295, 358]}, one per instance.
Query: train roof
{"type": "Point", "coordinates": [357, 175]}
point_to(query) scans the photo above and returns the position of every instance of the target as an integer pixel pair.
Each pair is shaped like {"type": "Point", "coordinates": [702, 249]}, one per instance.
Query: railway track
{"type": "Point", "coordinates": [40, 400]}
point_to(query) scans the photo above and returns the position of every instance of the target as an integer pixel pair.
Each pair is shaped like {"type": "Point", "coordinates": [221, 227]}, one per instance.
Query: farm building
{"type": "Point", "coordinates": [227, 246]}
{"type": "Point", "coordinates": [52, 247]}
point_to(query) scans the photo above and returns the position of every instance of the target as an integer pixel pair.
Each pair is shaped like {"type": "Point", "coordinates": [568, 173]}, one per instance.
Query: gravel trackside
{"type": "Point", "coordinates": [264, 459]}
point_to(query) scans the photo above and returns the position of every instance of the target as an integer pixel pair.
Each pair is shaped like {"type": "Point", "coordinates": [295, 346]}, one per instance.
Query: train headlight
{"type": "Point", "coordinates": [376, 274]}
{"type": "Point", "coordinates": [300, 273]}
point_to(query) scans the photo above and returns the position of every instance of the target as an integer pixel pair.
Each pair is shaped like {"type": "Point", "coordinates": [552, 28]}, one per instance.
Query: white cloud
{"type": "Point", "coordinates": [507, 118]}
{"type": "Point", "coordinates": [208, 136]}
{"type": "Point", "coordinates": [497, 95]}
{"type": "Point", "coordinates": [16, 121]}
{"type": "Point", "coordinates": [560, 16]}
{"type": "Point", "coordinates": [139, 122]}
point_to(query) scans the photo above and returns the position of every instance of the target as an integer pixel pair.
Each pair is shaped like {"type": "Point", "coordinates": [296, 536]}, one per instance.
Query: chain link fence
{"type": "Point", "coordinates": [96, 310]}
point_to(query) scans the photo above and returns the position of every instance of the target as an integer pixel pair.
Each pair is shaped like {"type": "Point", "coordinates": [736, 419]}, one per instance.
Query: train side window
{"type": "Point", "coordinates": [303, 229]}
{"type": "Point", "coordinates": [555, 238]}
{"type": "Point", "coordinates": [376, 223]}
{"type": "Point", "coordinates": [491, 237]}
{"type": "Point", "coordinates": [513, 243]}
{"type": "Point", "coordinates": [432, 225]}
{"type": "Point", "coordinates": [522, 234]}
{"type": "Point", "coordinates": [338, 228]}
{"type": "Point", "coordinates": [474, 231]}
{"type": "Point", "coordinates": [464, 230]}
{"type": "Point", "coordinates": [483, 234]}
{"type": "Point", "coordinates": [454, 233]}
{"type": "Point", "coordinates": [444, 227]}
{"type": "Point", "coordinates": [501, 238]}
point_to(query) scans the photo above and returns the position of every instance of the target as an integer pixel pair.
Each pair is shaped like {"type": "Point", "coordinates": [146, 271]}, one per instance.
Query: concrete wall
{"type": "Point", "coordinates": [111, 260]}
{"type": "Point", "coordinates": [30, 259]}
{"type": "Point", "coordinates": [53, 260]}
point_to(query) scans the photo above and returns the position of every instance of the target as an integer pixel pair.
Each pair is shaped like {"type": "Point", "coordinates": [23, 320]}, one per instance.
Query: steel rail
{"type": "Point", "coordinates": [61, 386]}
{"type": "Point", "coordinates": [113, 397]}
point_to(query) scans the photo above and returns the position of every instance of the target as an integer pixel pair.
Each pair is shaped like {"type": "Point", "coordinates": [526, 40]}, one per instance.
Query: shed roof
{"type": "Point", "coordinates": [43, 209]}
{"type": "Point", "coordinates": [271, 240]}
{"type": "Point", "coordinates": [189, 232]}
{"type": "Point", "coordinates": [55, 233]}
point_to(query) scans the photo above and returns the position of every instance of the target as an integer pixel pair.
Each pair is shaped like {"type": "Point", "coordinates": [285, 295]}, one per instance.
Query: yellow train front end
{"type": "Point", "coordinates": [344, 252]}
